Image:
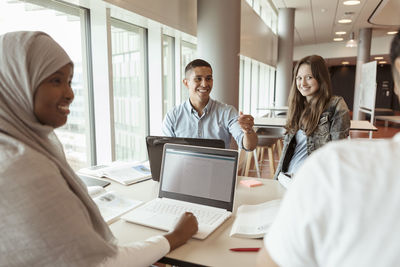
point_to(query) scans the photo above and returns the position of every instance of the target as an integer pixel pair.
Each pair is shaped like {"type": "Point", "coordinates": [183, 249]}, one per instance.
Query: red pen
{"type": "Point", "coordinates": [245, 249]}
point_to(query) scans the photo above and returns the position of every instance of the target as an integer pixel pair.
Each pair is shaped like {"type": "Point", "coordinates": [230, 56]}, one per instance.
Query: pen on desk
{"type": "Point", "coordinates": [245, 249]}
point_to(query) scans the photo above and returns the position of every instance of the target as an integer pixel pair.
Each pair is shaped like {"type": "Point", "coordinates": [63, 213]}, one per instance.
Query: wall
{"type": "Point", "coordinates": [257, 41]}
{"type": "Point", "coordinates": [178, 14]}
{"type": "Point", "coordinates": [343, 78]}
{"type": "Point", "coordinates": [379, 46]}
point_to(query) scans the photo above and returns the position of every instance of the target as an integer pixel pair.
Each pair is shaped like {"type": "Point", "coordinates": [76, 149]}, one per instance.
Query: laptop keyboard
{"type": "Point", "coordinates": [203, 216]}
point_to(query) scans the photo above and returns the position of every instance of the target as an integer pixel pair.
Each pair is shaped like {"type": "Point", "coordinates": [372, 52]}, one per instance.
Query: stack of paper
{"type": "Point", "coordinates": [123, 172]}
{"type": "Point", "coordinates": [253, 221]}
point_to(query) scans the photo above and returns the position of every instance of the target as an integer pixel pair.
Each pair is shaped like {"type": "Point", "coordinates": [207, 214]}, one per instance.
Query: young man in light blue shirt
{"type": "Point", "coordinates": [202, 117]}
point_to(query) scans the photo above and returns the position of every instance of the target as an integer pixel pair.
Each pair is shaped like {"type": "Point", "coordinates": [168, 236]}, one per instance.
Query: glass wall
{"type": "Point", "coordinates": [168, 73]}
{"type": "Point", "coordinates": [257, 81]}
{"type": "Point", "coordinates": [130, 90]}
{"type": "Point", "coordinates": [189, 53]}
{"type": "Point", "coordinates": [67, 23]}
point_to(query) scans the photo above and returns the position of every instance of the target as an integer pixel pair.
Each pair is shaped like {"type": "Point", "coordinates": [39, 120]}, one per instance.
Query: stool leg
{"type": "Point", "coordinates": [271, 161]}
{"type": "Point", "coordinates": [262, 154]}
{"type": "Point", "coordinates": [279, 145]}
{"type": "Point", "coordinates": [256, 163]}
{"type": "Point", "coordinates": [248, 163]}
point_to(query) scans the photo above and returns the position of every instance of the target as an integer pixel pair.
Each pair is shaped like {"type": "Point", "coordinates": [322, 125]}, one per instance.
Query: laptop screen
{"type": "Point", "coordinates": [200, 175]}
{"type": "Point", "coordinates": [155, 145]}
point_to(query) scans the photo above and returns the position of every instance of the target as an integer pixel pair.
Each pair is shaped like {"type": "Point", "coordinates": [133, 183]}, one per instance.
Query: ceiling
{"type": "Point", "coordinates": [316, 21]}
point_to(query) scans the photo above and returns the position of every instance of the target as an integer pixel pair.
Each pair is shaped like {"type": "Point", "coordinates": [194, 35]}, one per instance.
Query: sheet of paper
{"type": "Point", "coordinates": [253, 221]}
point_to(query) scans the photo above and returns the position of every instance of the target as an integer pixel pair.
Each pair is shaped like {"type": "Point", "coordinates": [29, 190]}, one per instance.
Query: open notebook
{"type": "Point", "coordinates": [196, 179]}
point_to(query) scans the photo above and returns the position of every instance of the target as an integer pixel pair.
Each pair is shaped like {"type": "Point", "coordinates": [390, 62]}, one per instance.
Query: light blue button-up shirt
{"type": "Point", "coordinates": [218, 121]}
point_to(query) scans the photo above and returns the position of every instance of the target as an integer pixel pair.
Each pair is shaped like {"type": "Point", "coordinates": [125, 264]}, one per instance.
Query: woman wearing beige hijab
{"type": "Point", "coordinates": [46, 215]}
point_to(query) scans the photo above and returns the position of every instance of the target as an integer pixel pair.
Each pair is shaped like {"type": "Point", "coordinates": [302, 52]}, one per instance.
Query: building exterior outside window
{"type": "Point", "coordinates": [129, 90]}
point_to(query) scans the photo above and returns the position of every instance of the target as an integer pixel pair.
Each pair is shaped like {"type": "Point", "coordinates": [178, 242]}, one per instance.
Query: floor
{"type": "Point", "coordinates": [383, 132]}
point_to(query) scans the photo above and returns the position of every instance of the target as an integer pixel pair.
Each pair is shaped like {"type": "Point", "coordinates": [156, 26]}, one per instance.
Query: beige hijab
{"type": "Point", "coordinates": [26, 59]}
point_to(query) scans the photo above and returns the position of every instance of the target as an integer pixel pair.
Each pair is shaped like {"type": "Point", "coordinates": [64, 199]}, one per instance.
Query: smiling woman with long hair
{"type": "Point", "coordinates": [315, 116]}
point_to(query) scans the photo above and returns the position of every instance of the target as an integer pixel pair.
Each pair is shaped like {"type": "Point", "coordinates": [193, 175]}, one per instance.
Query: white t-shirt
{"type": "Point", "coordinates": [342, 209]}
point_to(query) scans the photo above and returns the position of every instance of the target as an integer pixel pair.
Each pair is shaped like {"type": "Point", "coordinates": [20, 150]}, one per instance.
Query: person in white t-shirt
{"type": "Point", "coordinates": [343, 208]}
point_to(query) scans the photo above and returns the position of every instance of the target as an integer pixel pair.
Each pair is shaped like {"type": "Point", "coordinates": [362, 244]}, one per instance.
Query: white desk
{"type": "Point", "coordinates": [272, 110]}
{"type": "Point", "coordinates": [214, 250]}
{"type": "Point", "coordinates": [281, 122]}
{"type": "Point", "coordinates": [387, 119]}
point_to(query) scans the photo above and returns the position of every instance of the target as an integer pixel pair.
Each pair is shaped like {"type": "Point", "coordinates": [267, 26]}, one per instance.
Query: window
{"type": "Point", "coordinates": [168, 73]}
{"type": "Point", "coordinates": [188, 51]}
{"type": "Point", "coordinates": [129, 90]}
{"type": "Point", "coordinates": [67, 23]}
{"type": "Point", "coordinates": [257, 81]}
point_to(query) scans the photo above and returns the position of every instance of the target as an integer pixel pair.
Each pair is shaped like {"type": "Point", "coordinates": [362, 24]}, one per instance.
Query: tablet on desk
{"type": "Point", "coordinates": [90, 181]}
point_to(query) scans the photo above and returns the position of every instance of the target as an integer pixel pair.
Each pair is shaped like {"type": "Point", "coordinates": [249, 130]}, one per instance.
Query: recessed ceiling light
{"type": "Point", "coordinates": [382, 62]}
{"type": "Point", "coordinates": [351, 2]}
{"type": "Point", "coordinates": [338, 39]}
{"type": "Point", "coordinates": [340, 33]}
{"type": "Point", "coordinates": [393, 32]}
{"type": "Point", "coordinates": [378, 58]}
{"type": "Point", "coordinates": [345, 63]}
{"type": "Point", "coordinates": [345, 21]}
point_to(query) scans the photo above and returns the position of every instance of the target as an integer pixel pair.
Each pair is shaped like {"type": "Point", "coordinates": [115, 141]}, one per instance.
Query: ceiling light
{"type": "Point", "coordinates": [351, 42]}
{"type": "Point", "coordinates": [393, 32]}
{"type": "Point", "coordinates": [382, 62]}
{"type": "Point", "coordinates": [345, 21]}
{"type": "Point", "coordinates": [340, 33]}
{"type": "Point", "coordinates": [351, 2]}
{"type": "Point", "coordinates": [345, 63]}
{"type": "Point", "coordinates": [338, 39]}
{"type": "Point", "coordinates": [378, 58]}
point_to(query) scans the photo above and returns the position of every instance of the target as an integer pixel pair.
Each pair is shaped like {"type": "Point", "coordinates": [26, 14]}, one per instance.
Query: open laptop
{"type": "Point", "coordinates": [196, 179]}
{"type": "Point", "coordinates": [155, 145]}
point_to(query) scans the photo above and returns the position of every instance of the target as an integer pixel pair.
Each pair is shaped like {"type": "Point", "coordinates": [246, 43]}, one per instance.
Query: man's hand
{"type": "Point", "coordinates": [186, 227]}
{"type": "Point", "coordinates": [246, 122]}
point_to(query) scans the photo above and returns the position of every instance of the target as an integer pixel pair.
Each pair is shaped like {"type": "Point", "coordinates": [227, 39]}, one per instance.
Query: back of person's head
{"type": "Point", "coordinates": [302, 114]}
{"type": "Point", "coordinates": [194, 64]}
{"type": "Point", "coordinates": [395, 56]}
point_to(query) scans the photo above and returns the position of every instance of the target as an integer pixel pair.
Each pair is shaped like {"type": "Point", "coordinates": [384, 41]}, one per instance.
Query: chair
{"type": "Point", "coordinates": [268, 138]}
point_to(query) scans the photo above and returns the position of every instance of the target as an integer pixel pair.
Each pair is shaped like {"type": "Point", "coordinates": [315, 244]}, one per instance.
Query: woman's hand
{"type": "Point", "coordinates": [186, 227]}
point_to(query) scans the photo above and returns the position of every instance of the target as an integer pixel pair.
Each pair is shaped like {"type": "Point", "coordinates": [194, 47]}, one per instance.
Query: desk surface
{"type": "Point", "coordinates": [280, 122]}
{"type": "Point", "coordinates": [214, 250]}
{"type": "Point", "coordinates": [388, 118]}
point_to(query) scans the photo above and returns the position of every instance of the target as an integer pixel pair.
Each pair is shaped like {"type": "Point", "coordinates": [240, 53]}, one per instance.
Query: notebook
{"type": "Point", "coordinates": [155, 145]}
{"type": "Point", "coordinates": [197, 179]}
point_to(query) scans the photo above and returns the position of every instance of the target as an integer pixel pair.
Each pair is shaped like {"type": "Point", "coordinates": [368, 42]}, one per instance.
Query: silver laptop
{"type": "Point", "coordinates": [196, 179]}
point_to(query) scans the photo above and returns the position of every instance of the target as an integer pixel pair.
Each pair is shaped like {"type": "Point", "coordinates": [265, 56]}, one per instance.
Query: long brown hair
{"type": "Point", "coordinates": [302, 114]}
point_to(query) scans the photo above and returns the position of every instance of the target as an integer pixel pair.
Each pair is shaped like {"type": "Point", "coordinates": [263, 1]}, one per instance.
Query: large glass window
{"type": "Point", "coordinates": [188, 51]}
{"type": "Point", "coordinates": [168, 73]}
{"type": "Point", "coordinates": [129, 90]}
{"type": "Point", "coordinates": [63, 23]}
{"type": "Point", "coordinates": [256, 90]}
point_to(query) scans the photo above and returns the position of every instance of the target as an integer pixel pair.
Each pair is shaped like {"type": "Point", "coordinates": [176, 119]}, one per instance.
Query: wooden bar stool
{"type": "Point", "coordinates": [268, 139]}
